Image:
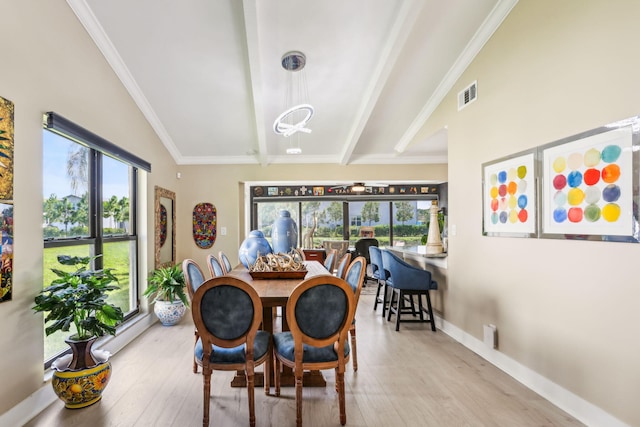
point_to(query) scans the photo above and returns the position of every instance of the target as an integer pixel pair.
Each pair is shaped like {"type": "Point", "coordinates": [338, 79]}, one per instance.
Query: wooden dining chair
{"type": "Point", "coordinates": [319, 311]}
{"type": "Point", "coordinates": [193, 279]}
{"type": "Point", "coordinates": [227, 312]}
{"type": "Point", "coordinates": [224, 262]}
{"type": "Point", "coordinates": [215, 268]}
{"type": "Point", "coordinates": [343, 265]}
{"type": "Point", "coordinates": [355, 278]}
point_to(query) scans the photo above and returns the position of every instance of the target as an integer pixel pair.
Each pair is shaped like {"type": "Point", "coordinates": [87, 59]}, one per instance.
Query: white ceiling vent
{"type": "Point", "coordinates": [468, 95]}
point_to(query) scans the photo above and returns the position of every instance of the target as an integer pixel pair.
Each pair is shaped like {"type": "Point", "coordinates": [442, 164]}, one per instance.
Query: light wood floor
{"type": "Point", "coordinates": [414, 377]}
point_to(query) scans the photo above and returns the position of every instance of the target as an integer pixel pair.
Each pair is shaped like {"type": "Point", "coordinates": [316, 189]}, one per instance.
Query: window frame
{"type": "Point", "coordinates": [96, 240]}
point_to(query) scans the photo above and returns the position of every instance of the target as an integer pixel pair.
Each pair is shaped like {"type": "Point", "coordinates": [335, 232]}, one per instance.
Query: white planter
{"type": "Point", "coordinates": [169, 312]}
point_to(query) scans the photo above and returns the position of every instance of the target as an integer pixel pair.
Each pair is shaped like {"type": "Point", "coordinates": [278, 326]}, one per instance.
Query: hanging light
{"type": "Point", "coordinates": [297, 111]}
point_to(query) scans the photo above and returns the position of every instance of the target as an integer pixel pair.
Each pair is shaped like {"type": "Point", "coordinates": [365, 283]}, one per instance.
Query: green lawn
{"type": "Point", "coordinates": [116, 257]}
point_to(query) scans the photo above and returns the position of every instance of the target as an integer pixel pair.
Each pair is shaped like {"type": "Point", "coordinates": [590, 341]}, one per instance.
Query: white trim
{"type": "Point", "coordinates": [569, 402]}
{"type": "Point", "coordinates": [484, 33]}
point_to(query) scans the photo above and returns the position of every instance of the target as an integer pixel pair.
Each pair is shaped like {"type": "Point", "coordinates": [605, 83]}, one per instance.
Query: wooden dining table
{"type": "Point", "coordinates": [275, 293]}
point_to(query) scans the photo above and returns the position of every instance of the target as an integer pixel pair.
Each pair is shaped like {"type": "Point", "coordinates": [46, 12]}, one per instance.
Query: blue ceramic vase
{"type": "Point", "coordinates": [253, 246]}
{"type": "Point", "coordinates": [284, 233]}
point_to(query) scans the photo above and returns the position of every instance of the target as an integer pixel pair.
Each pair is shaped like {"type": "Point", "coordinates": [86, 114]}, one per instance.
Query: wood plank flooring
{"type": "Point", "coordinates": [414, 377]}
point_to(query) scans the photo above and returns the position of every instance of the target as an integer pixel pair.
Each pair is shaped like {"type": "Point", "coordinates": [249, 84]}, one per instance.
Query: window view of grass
{"type": "Point", "coordinates": [117, 258]}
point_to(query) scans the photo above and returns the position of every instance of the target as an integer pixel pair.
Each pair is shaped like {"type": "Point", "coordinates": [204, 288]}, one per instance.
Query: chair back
{"type": "Point", "coordinates": [354, 276]}
{"type": "Point", "coordinates": [320, 311]}
{"type": "Point", "coordinates": [375, 259]}
{"type": "Point", "coordinates": [224, 262]}
{"type": "Point", "coordinates": [330, 260]}
{"type": "Point", "coordinates": [193, 276]}
{"type": "Point", "coordinates": [343, 265]}
{"type": "Point", "coordinates": [215, 269]}
{"type": "Point", "coordinates": [362, 247]}
{"type": "Point", "coordinates": [406, 276]}
{"type": "Point", "coordinates": [227, 312]}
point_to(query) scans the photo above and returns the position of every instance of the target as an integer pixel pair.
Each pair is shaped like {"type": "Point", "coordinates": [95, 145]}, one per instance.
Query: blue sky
{"type": "Point", "coordinates": [55, 180]}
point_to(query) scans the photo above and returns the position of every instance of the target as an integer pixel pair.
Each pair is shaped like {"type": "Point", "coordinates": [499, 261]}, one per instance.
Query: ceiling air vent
{"type": "Point", "coordinates": [468, 95]}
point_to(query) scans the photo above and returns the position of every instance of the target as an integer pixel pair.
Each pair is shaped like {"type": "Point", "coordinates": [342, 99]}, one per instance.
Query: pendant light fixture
{"type": "Point", "coordinates": [297, 110]}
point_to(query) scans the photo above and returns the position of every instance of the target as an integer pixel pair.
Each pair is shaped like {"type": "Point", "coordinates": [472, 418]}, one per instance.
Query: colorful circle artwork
{"type": "Point", "coordinates": [508, 199]}
{"type": "Point", "coordinates": [585, 186]}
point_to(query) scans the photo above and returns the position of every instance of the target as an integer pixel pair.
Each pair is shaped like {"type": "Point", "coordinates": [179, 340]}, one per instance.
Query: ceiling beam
{"type": "Point", "coordinates": [484, 33]}
{"type": "Point", "coordinates": [255, 75]}
{"type": "Point", "coordinates": [405, 20]}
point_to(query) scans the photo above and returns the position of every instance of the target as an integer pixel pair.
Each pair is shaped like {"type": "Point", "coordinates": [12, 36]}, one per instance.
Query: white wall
{"type": "Point", "coordinates": [49, 63]}
{"type": "Point", "coordinates": [565, 309]}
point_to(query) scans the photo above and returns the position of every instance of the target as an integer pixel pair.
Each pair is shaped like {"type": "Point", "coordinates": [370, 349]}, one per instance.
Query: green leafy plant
{"type": "Point", "coordinates": [167, 284]}
{"type": "Point", "coordinates": [79, 298]}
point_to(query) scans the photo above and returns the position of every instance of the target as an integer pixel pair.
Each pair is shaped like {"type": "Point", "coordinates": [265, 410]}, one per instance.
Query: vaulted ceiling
{"type": "Point", "coordinates": [207, 74]}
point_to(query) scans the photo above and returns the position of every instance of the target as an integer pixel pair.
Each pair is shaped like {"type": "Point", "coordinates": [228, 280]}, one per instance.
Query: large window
{"type": "Point", "coordinates": [89, 194]}
{"type": "Point", "coordinates": [395, 217]}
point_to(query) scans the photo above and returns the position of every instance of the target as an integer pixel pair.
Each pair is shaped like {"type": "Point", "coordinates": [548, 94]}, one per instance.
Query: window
{"type": "Point", "coordinates": [395, 215]}
{"type": "Point", "coordinates": [89, 194]}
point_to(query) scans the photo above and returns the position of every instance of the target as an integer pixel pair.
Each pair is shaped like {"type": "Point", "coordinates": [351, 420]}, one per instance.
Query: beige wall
{"type": "Point", "coordinates": [566, 309]}
{"type": "Point", "coordinates": [224, 187]}
{"type": "Point", "coordinates": [49, 63]}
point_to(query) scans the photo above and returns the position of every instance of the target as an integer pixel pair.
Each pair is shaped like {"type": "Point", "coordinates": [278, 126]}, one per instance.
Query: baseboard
{"type": "Point", "coordinates": [569, 402]}
{"type": "Point", "coordinates": [30, 407]}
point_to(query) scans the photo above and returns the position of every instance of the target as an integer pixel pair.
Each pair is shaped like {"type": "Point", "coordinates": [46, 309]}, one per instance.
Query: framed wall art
{"type": "Point", "coordinates": [589, 184]}
{"type": "Point", "coordinates": [6, 199]}
{"type": "Point", "coordinates": [509, 196]}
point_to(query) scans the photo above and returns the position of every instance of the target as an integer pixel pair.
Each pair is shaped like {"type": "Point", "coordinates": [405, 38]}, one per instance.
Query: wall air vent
{"type": "Point", "coordinates": [468, 95]}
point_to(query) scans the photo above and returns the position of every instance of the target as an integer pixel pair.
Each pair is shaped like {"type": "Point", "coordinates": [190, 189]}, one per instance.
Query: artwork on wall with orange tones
{"type": "Point", "coordinates": [509, 196]}
{"type": "Point", "coordinates": [589, 189]}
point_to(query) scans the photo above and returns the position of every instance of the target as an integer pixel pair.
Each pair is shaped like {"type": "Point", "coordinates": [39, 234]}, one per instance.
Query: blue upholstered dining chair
{"type": "Point", "coordinates": [378, 274]}
{"type": "Point", "coordinates": [343, 265]}
{"type": "Point", "coordinates": [355, 278]}
{"type": "Point", "coordinates": [227, 312]}
{"type": "Point", "coordinates": [193, 279]}
{"type": "Point", "coordinates": [215, 269]}
{"type": "Point", "coordinates": [330, 260]}
{"type": "Point", "coordinates": [407, 280]}
{"type": "Point", "coordinates": [224, 262]}
{"type": "Point", "coordinates": [320, 312]}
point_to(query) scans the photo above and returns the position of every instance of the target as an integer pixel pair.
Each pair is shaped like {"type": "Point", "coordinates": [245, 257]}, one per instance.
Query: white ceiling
{"type": "Point", "coordinates": [207, 73]}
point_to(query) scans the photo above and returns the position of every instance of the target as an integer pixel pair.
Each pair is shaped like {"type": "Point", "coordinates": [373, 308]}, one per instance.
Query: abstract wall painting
{"type": "Point", "coordinates": [509, 196]}
{"type": "Point", "coordinates": [6, 199]}
{"type": "Point", "coordinates": [589, 189]}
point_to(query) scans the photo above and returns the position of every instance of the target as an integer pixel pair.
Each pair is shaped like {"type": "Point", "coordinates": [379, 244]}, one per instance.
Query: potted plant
{"type": "Point", "coordinates": [166, 288]}
{"type": "Point", "coordinates": [79, 298]}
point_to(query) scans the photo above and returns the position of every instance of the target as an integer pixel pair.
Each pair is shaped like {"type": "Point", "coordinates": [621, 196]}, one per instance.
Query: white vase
{"type": "Point", "coordinates": [169, 312]}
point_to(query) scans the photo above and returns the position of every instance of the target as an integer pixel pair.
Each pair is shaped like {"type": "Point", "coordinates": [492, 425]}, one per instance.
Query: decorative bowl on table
{"type": "Point", "coordinates": [278, 266]}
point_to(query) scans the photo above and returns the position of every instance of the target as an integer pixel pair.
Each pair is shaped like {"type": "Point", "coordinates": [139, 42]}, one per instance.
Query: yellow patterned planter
{"type": "Point", "coordinates": [78, 389]}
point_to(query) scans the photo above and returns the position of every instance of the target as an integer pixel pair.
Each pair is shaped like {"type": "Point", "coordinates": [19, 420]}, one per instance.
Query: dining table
{"type": "Point", "coordinates": [274, 293]}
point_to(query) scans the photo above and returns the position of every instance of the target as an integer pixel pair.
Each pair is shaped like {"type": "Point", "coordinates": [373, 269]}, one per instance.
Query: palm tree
{"type": "Point", "coordinates": [77, 168]}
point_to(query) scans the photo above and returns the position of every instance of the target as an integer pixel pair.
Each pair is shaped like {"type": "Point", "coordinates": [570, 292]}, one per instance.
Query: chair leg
{"type": "Point", "coordinates": [392, 291]}
{"type": "Point", "coordinates": [420, 308]}
{"type": "Point", "coordinates": [276, 375]}
{"type": "Point", "coordinates": [399, 308]}
{"type": "Point", "coordinates": [377, 300]}
{"type": "Point", "coordinates": [267, 374]}
{"type": "Point", "coordinates": [195, 364]}
{"type": "Point", "coordinates": [341, 398]}
{"type": "Point", "coordinates": [298, 375]}
{"type": "Point", "coordinates": [385, 301]}
{"type": "Point", "coordinates": [250, 394]}
{"type": "Point", "coordinates": [206, 378]}
{"type": "Point", "coordinates": [354, 350]}
{"type": "Point", "coordinates": [431, 317]}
